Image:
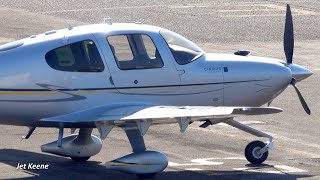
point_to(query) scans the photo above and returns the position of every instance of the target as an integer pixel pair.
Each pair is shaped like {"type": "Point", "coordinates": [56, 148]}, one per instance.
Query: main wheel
{"type": "Point", "coordinates": [252, 152]}
{"type": "Point", "coordinates": [146, 176]}
{"type": "Point", "coordinates": [80, 159]}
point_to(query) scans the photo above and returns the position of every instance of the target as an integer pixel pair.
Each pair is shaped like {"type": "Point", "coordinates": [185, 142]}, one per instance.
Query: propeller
{"type": "Point", "coordinates": [302, 101]}
{"type": "Point", "coordinates": [288, 38]}
{"type": "Point", "coordinates": [288, 44]}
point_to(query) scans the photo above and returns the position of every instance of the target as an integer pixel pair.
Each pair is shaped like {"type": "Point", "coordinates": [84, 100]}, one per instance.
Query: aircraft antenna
{"type": "Point", "coordinates": [69, 26]}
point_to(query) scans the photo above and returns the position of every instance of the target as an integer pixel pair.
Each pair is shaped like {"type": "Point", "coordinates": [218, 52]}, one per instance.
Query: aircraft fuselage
{"type": "Point", "coordinates": [31, 90]}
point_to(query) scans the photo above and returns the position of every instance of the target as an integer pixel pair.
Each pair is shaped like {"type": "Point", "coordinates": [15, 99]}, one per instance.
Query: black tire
{"type": "Point", "coordinates": [147, 175]}
{"type": "Point", "coordinates": [80, 159]}
{"type": "Point", "coordinates": [252, 156]}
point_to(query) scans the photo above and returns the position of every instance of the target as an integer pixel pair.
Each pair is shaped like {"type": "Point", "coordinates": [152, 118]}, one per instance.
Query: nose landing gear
{"type": "Point", "coordinates": [256, 152]}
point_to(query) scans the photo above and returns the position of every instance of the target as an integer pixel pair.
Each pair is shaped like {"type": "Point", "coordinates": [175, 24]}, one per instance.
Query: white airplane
{"type": "Point", "coordinates": [133, 76]}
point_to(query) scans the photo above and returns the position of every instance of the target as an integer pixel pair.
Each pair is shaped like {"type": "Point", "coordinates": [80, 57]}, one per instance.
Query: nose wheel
{"type": "Point", "coordinates": [256, 152]}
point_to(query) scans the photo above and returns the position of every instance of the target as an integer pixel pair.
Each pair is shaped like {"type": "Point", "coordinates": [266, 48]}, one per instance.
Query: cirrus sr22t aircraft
{"type": "Point", "coordinates": [133, 76]}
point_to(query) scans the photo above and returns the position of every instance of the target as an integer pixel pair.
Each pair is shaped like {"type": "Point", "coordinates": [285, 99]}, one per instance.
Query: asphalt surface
{"type": "Point", "coordinates": [212, 153]}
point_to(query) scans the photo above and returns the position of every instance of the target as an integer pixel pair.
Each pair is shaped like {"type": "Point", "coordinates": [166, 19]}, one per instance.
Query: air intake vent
{"type": "Point", "coordinates": [242, 53]}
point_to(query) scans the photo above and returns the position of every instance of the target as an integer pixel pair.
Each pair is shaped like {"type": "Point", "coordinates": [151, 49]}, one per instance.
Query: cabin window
{"type": "Point", "coordinates": [81, 56]}
{"type": "Point", "coordinates": [135, 51]}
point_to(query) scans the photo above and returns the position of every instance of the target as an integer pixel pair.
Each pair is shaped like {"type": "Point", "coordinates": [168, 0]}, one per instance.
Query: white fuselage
{"type": "Point", "coordinates": [31, 90]}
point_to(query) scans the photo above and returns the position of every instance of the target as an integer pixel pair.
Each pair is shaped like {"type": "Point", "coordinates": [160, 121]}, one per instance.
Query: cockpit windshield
{"type": "Point", "coordinates": [183, 50]}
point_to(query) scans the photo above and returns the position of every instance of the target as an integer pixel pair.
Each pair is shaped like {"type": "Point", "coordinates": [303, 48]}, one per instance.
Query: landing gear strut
{"type": "Point", "coordinates": [256, 152]}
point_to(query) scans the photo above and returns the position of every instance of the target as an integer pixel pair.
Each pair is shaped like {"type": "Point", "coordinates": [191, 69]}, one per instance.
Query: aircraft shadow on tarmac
{"type": "Point", "coordinates": [64, 168]}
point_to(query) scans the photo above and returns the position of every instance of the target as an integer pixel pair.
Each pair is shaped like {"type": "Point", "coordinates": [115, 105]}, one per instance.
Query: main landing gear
{"type": "Point", "coordinates": [256, 152]}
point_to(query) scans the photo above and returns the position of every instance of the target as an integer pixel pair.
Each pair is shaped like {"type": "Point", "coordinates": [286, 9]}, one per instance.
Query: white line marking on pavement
{"type": "Point", "coordinates": [289, 169]}
{"type": "Point", "coordinates": [196, 162]}
{"type": "Point", "coordinates": [262, 15]}
{"type": "Point", "coordinates": [254, 170]}
{"type": "Point", "coordinates": [223, 158]}
{"type": "Point", "coordinates": [205, 162]}
{"type": "Point", "coordinates": [194, 169]}
{"type": "Point", "coordinates": [252, 122]}
{"type": "Point", "coordinates": [283, 8]}
{"type": "Point", "coordinates": [270, 7]}
{"type": "Point", "coordinates": [96, 9]}
{"type": "Point", "coordinates": [293, 140]}
{"type": "Point", "coordinates": [246, 10]}
{"type": "Point", "coordinates": [240, 169]}
{"type": "Point", "coordinates": [139, 7]}
{"type": "Point", "coordinates": [173, 164]}
{"type": "Point", "coordinates": [279, 169]}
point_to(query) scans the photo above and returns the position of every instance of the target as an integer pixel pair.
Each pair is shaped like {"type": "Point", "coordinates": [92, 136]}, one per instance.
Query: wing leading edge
{"type": "Point", "coordinates": [134, 111]}
{"type": "Point", "coordinates": [142, 116]}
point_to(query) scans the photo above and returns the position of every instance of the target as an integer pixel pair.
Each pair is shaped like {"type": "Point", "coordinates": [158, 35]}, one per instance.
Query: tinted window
{"type": "Point", "coordinates": [135, 51]}
{"type": "Point", "coordinates": [77, 57]}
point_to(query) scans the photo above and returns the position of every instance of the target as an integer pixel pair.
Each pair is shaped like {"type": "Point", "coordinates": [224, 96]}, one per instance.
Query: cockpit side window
{"type": "Point", "coordinates": [134, 51]}
{"type": "Point", "coordinates": [80, 56]}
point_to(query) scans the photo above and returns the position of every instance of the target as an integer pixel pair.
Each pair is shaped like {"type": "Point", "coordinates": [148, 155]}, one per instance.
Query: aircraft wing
{"type": "Point", "coordinates": [143, 115]}
{"type": "Point", "coordinates": [135, 111]}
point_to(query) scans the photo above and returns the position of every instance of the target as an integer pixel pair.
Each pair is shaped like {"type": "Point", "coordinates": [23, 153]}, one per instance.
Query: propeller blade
{"type": "Point", "coordinates": [303, 102]}
{"type": "Point", "coordinates": [288, 38]}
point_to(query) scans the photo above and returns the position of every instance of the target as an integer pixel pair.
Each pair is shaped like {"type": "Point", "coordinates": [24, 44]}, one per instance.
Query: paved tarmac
{"type": "Point", "coordinates": [221, 26]}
